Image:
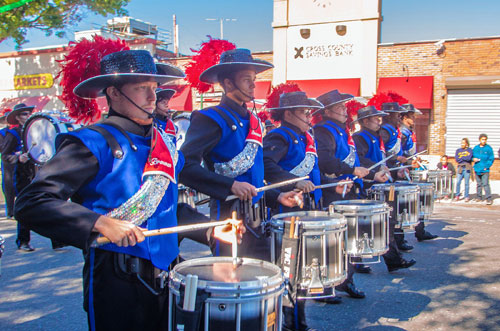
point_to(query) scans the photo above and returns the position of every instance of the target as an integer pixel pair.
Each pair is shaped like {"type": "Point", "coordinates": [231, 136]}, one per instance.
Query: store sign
{"type": "Point", "coordinates": [28, 82]}
{"type": "Point", "coordinates": [319, 51]}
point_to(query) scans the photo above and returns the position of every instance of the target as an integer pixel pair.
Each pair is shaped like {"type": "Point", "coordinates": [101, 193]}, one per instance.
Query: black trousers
{"type": "Point", "coordinates": [399, 236]}
{"type": "Point", "coordinates": [393, 256]}
{"type": "Point", "coordinates": [115, 300]}
{"type": "Point", "coordinates": [8, 187]}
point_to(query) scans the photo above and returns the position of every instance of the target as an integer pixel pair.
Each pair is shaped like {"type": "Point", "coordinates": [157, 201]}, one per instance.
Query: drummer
{"type": "Point", "coordinates": [290, 152]}
{"type": "Point", "coordinates": [23, 171]}
{"type": "Point", "coordinates": [409, 144]}
{"type": "Point", "coordinates": [7, 171]}
{"type": "Point", "coordinates": [371, 150]}
{"type": "Point", "coordinates": [337, 158]}
{"type": "Point", "coordinates": [100, 168]}
{"type": "Point", "coordinates": [391, 136]}
{"type": "Point", "coordinates": [228, 138]}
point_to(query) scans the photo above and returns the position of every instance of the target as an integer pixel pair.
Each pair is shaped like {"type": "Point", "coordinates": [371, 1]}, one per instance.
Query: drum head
{"type": "Point", "coordinates": [220, 272]}
{"type": "Point", "coordinates": [182, 121]}
{"type": "Point", "coordinates": [39, 136]}
{"type": "Point", "coordinates": [357, 205]}
{"type": "Point", "coordinates": [397, 187]}
{"type": "Point", "coordinates": [310, 219]}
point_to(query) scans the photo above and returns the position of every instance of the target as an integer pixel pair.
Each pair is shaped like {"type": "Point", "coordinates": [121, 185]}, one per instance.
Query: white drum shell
{"type": "Point", "coordinates": [324, 237]}
{"type": "Point", "coordinates": [232, 305]}
{"type": "Point", "coordinates": [367, 226]}
{"type": "Point", "coordinates": [426, 200]}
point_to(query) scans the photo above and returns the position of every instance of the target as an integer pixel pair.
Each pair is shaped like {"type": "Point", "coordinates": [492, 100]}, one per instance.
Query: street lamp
{"type": "Point", "coordinates": [221, 20]}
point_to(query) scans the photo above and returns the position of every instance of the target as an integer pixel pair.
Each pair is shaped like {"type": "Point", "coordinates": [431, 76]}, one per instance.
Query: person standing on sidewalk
{"type": "Point", "coordinates": [463, 156]}
{"type": "Point", "coordinates": [483, 157]}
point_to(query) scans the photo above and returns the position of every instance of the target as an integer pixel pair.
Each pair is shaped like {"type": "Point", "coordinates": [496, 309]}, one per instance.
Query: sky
{"type": "Point", "coordinates": [403, 20]}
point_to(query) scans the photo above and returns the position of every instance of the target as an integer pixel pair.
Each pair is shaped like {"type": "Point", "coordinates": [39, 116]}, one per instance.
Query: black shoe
{"type": "Point", "coordinates": [351, 289]}
{"type": "Point", "coordinates": [331, 300]}
{"type": "Point", "coordinates": [25, 247]}
{"type": "Point", "coordinates": [362, 269]}
{"type": "Point", "coordinates": [405, 247]}
{"type": "Point", "coordinates": [426, 236]}
{"type": "Point", "coordinates": [401, 265]}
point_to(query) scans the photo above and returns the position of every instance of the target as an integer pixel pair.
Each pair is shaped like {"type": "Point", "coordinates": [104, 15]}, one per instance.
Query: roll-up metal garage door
{"type": "Point", "coordinates": [470, 113]}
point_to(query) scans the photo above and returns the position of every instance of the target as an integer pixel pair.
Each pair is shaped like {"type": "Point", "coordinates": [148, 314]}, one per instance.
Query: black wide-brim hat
{"type": "Point", "coordinates": [392, 107]}
{"type": "Point", "coordinates": [369, 111]}
{"type": "Point", "coordinates": [117, 67]}
{"type": "Point", "coordinates": [410, 108]}
{"type": "Point", "coordinates": [11, 117]}
{"type": "Point", "coordinates": [166, 93]}
{"type": "Point", "coordinates": [334, 97]}
{"type": "Point", "coordinates": [232, 61]}
{"type": "Point", "coordinates": [294, 100]}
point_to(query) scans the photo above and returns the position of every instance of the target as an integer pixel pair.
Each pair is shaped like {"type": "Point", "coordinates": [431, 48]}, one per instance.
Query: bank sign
{"type": "Point", "coordinates": [325, 51]}
{"type": "Point", "coordinates": [38, 81]}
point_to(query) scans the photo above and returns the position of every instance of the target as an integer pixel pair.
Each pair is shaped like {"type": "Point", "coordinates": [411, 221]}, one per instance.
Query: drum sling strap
{"type": "Point", "coordinates": [289, 262]}
{"type": "Point", "coordinates": [115, 147]}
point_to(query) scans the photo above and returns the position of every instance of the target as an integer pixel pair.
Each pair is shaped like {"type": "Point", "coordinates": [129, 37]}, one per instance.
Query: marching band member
{"type": "Point", "coordinates": [409, 145]}
{"type": "Point", "coordinates": [290, 152]}
{"type": "Point", "coordinates": [371, 150]}
{"type": "Point", "coordinates": [23, 171]}
{"type": "Point", "coordinates": [101, 168]}
{"type": "Point", "coordinates": [228, 138]}
{"type": "Point", "coordinates": [337, 157]}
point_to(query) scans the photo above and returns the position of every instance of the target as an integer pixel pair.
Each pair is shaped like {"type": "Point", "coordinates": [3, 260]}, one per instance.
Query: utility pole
{"type": "Point", "coordinates": [221, 21]}
{"type": "Point", "coordinates": [176, 37]}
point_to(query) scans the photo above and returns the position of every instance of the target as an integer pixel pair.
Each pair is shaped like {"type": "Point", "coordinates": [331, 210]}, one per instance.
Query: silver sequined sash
{"type": "Point", "coordinates": [305, 167]}
{"type": "Point", "coordinates": [239, 164]}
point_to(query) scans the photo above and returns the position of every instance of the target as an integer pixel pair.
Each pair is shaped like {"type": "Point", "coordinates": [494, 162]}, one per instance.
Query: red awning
{"type": "Point", "coordinates": [315, 88]}
{"type": "Point", "coordinates": [39, 102]}
{"type": "Point", "coordinates": [417, 89]}
{"type": "Point", "coordinates": [182, 99]}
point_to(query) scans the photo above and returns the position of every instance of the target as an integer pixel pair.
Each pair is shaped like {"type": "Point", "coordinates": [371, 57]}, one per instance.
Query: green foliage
{"type": "Point", "coordinates": [51, 16]}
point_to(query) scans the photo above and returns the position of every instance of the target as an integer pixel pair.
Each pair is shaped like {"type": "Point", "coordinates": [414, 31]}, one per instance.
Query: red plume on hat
{"type": "Point", "coordinates": [207, 56]}
{"type": "Point", "coordinates": [5, 111]}
{"type": "Point", "coordinates": [273, 99]}
{"type": "Point", "coordinates": [352, 110]}
{"type": "Point", "coordinates": [264, 116]}
{"type": "Point", "coordinates": [397, 98]}
{"type": "Point", "coordinates": [83, 61]}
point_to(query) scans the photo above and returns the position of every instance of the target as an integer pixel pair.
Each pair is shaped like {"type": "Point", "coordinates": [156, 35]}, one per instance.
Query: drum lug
{"type": "Point", "coordinates": [313, 272]}
{"type": "Point", "coordinates": [365, 245]}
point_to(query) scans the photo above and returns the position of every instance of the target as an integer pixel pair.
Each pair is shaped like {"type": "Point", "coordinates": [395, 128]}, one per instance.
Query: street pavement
{"type": "Point", "coordinates": [454, 285]}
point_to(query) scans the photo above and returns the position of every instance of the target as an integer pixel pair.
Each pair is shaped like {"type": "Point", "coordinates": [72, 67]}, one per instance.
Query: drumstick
{"type": "Point", "coordinates": [391, 193]}
{"type": "Point", "coordinates": [187, 292]}
{"type": "Point", "coordinates": [401, 167]}
{"type": "Point", "coordinates": [416, 154]}
{"type": "Point", "coordinates": [192, 293]}
{"type": "Point", "coordinates": [175, 229]}
{"type": "Point", "coordinates": [234, 244]}
{"type": "Point", "coordinates": [296, 230]}
{"type": "Point", "coordinates": [292, 227]}
{"type": "Point", "coordinates": [269, 187]}
{"type": "Point", "coordinates": [332, 184]}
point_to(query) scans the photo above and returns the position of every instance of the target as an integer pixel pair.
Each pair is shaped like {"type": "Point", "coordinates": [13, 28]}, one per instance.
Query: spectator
{"type": "Point", "coordinates": [445, 165]}
{"type": "Point", "coordinates": [483, 157]}
{"type": "Point", "coordinates": [463, 156]}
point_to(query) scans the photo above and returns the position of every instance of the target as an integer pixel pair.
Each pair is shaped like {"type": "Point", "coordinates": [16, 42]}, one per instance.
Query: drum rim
{"type": "Point", "coordinates": [403, 187]}
{"type": "Point", "coordinates": [361, 205]}
{"type": "Point", "coordinates": [258, 285]}
{"type": "Point", "coordinates": [338, 220]}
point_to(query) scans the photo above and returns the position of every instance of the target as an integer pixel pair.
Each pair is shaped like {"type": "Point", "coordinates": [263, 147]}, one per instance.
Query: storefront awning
{"type": "Point", "coordinates": [182, 99]}
{"type": "Point", "coordinates": [315, 88]}
{"type": "Point", "coordinates": [417, 89]}
{"type": "Point", "coordinates": [39, 102]}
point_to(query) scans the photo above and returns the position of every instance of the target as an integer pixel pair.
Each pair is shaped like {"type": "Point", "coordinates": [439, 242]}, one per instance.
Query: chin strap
{"type": "Point", "coordinates": [132, 102]}
{"type": "Point", "coordinates": [300, 119]}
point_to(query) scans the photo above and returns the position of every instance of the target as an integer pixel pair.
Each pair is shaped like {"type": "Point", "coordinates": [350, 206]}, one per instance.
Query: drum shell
{"type": "Point", "coordinates": [259, 300]}
{"type": "Point", "coordinates": [324, 238]}
{"type": "Point", "coordinates": [440, 178]}
{"type": "Point", "coordinates": [405, 207]}
{"type": "Point", "coordinates": [365, 217]}
{"type": "Point", "coordinates": [182, 122]}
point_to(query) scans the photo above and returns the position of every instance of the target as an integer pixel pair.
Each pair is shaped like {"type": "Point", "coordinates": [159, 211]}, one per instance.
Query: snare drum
{"type": "Point", "coordinates": [182, 122]}
{"type": "Point", "coordinates": [367, 227]}
{"type": "Point", "coordinates": [322, 250]}
{"type": "Point", "coordinates": [247, 296]}
{"type": "Point", "coordinates": [40, 131]}
{"type": "Point", "coordinates": [440, 178]}
{"type": "Point", "coordinates": [426, 200]}
{"type": "Point", "coordinates": [404, 203]}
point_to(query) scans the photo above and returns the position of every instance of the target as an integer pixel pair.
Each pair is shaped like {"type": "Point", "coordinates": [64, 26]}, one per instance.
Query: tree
{"type": "Point", "coordinates": [50, 16]}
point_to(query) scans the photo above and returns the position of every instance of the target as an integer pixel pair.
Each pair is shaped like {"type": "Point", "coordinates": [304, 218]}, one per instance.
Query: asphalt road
{"type": "Point", "coordinates": [454, 285]}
